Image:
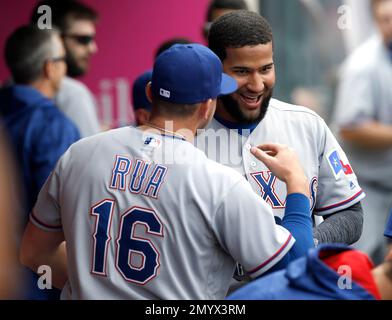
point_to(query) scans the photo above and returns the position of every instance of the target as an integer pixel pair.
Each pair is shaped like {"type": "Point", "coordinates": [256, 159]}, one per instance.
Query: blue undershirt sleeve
{"type": "Point", "coordinates": [298, 221]}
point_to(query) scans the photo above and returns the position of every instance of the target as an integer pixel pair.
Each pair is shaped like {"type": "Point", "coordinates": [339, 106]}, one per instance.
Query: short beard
{"type": "Point", "coordinates": [232, 107]}
{"type": "Point", "coordinates": [73, 69]}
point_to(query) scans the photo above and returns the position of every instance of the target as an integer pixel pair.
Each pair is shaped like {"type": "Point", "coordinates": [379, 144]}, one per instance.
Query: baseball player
{"type": "Point", "coordinates": [250, 117]}
{"type": "Point", "coordinates": [145, 214]}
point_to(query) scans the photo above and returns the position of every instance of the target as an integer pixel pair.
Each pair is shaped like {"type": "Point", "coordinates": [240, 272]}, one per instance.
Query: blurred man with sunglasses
{"type": "Point", "coordinates": [76, 22]}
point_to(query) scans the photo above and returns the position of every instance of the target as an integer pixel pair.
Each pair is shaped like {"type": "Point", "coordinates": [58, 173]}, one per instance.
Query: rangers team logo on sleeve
{"type": "Point", "coordinates": [337, 165]}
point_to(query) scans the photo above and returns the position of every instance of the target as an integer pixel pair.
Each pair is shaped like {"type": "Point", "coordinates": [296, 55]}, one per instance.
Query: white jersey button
{"type": "Point", "coordinates": [253, 164]}
{"type": "Point", "coordinates": [248, 146]}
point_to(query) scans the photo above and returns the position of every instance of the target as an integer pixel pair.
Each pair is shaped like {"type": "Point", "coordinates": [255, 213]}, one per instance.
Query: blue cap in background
{"type": "Point", "coordinates": [139, 91]}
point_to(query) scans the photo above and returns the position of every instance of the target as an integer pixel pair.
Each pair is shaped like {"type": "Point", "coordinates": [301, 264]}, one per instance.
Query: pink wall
{"type": "Point", "coordinates": [128, 33]}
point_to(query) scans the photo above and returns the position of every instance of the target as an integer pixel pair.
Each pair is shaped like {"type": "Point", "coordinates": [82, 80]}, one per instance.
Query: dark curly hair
{"type": "Point", "coordinates": [238, 29]}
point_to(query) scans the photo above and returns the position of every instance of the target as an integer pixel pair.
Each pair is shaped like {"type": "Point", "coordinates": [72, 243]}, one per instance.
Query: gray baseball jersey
{"type": "Point", "coordinates": [147, 216]}
{"type": "Point", "coordinates": [78, 104]}
{"type": "Point", "coordinates": [333, 184]}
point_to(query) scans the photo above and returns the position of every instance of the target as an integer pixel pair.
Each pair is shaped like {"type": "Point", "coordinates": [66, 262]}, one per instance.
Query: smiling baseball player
{"type": "Point", "coordinates": [250, 117]}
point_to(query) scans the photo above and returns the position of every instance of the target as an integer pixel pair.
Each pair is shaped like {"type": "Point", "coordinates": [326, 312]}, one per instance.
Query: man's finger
{"type": "Point", "coordinates": [274, 147]}
{"type": "Point", "coordinates": [260, 154]}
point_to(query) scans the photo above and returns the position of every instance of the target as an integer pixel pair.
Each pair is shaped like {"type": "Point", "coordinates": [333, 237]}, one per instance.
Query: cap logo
{"type": "Point", "coordinates": [164, 93]}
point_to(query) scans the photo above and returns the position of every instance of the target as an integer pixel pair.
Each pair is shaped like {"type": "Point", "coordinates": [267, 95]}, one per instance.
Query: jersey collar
{"type": "Point", "coordinates": [173, 137]}
{"type": "Point", "coordinates": [243, 129]}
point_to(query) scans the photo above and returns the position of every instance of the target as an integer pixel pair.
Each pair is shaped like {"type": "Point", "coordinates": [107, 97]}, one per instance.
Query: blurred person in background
{"type": "Point", "coordinates": [76, 22]}
{"type": "Point", "coordinates": [9, 221]}
{"type": "Point", "coordinates": [141, 105]}
{"type": "Point", "coordinates": [218, 8]}
{"type": "Point", "coordinates": [39, 132]}
{"type": "Point", "coordinates": [169, 43]}
{"type": "Point", "coordinates": [363, 119]}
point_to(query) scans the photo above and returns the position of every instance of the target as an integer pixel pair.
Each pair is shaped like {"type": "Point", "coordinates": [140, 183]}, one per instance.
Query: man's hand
{"type": "Point", "coordinates": [284, 164]}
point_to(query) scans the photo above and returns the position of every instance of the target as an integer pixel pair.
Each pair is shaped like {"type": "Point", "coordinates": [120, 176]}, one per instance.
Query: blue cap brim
{"type": "Point", "coordinates": [228, 85]}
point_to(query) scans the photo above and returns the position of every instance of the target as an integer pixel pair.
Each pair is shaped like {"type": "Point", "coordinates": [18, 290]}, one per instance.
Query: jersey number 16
{"type": "Point", "coordinates": [127, 243]}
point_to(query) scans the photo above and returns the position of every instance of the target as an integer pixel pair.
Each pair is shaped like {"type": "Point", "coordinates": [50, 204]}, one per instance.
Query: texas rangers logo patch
{"type": "Point", "coordinates": [337, 165]}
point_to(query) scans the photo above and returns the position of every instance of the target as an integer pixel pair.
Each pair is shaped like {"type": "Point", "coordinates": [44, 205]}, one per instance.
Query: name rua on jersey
{"type": "Point", "coordinates": [137, 176]}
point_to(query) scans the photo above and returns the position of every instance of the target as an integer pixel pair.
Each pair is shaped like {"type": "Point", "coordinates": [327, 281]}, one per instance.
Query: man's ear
{"type": "Point", "coordinates": [149, 92]}
{"type": "Point", "coordinates": [207, 108]}
{"type": "Point", "coordinates": [203, 110]}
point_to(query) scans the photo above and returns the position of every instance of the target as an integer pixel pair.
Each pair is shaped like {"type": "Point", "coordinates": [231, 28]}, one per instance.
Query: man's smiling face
{"type": "Point", "coordinates": [253, 68]}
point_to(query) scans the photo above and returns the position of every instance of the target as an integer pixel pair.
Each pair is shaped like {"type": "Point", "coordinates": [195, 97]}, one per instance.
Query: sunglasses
{"type": "Point", "coordinates": [57, 59]}
{"type": "Point", "coordinates": [84, 40]}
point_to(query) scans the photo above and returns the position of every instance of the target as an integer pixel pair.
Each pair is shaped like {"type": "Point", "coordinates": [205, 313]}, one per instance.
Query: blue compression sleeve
{"type": "Point", "coordinates": [298, 221]}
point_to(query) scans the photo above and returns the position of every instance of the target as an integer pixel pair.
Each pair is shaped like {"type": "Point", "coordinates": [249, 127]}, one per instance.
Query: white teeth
{"type": "Point", "coordinates": [250, 99]}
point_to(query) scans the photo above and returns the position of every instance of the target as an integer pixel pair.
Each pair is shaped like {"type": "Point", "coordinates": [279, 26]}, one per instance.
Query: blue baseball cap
{"type": "Point", "coordinates": [190, 74]}
{"type": "Point", "coordinates": [140, 100]}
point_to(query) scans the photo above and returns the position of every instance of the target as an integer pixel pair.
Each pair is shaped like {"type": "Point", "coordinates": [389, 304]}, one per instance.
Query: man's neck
{"type": "Point", "coordinates": [44, 88]}
{"type": "Point", "coordinates": [179, 128]}
{"type": "Point", "coordinates": [222, 113]}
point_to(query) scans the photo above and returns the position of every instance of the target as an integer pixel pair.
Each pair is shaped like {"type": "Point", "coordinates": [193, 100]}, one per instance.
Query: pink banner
{"type": "Point", "coordinates": [128, 34]}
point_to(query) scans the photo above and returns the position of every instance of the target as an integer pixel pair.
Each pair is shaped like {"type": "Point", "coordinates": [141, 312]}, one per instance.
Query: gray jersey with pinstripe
{"type": "Point", "coordinates": [139, 225]}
